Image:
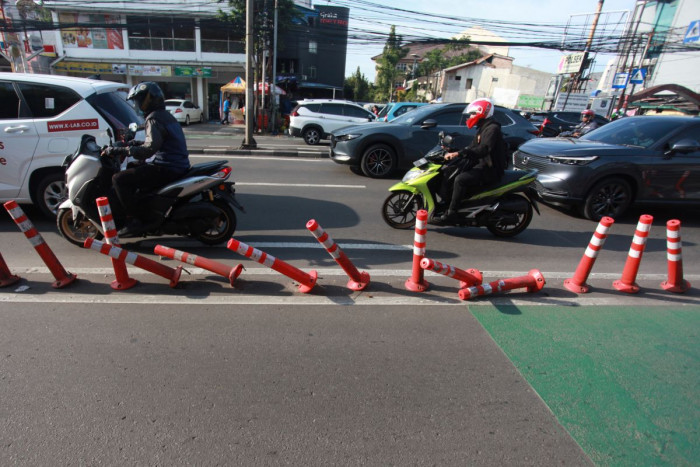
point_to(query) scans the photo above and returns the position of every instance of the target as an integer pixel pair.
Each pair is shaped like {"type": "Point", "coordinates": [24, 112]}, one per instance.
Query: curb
{"type": "Point", "coordinates": [259, 152]}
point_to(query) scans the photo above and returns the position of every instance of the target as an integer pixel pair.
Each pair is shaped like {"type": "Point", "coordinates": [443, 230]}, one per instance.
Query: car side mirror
{"type": "Point", "coordinates": [684, 146]}
{"type": "Point", "coordinates": [430, 123]}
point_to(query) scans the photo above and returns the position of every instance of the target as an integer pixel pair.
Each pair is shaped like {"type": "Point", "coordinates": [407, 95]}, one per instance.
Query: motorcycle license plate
{"type": "Point", "coordinates": [421, 161]}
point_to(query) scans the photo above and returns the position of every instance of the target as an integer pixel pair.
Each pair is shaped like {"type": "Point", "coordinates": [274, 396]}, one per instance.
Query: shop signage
{"type": "Point", "coordinates": [150, 70]}
{"type": "Point", "coordinates": [571, 63]}
{"type": "Point", "coordinates": [84, 67]}
{"type": "Point", "coordinates": [204, 72]}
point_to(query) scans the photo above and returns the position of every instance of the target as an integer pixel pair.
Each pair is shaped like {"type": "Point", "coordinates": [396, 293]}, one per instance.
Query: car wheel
{"type": "Point", "coordinates": [201, 117]}
{"type": "Point", "coordinates": [356, 170]}
{"type": "Point", "coordinates": [609, 197]}
{"type": "Point", "coordinates": [400, 209]}
{"type": "Point", "coordinates": [378, 161]}
{"type": "Point", "coordinates": [187, 120]}
{"type": "Point", "coordinates": [50, 193]}
{"type": "Point", "coordinates": [312, 136]}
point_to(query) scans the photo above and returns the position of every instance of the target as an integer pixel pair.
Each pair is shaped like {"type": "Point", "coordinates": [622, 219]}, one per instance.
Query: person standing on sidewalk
{"type": "Point", "coordinates": [227, 111]}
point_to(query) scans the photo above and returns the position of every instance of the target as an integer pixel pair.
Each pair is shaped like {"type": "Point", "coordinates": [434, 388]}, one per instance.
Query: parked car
{"type": "Point", "coordinates": [42, 120]}
{"type": "Point", "coordinates": [648, 159]}
{"type": "Point", "coordinates": [184, 111]}
{"type": "Point", "coordinates": [557, 122]}
{"type": "Point", "coordinates": [315, 119]}
{"type": "Point", "coordinates": [379, 149]}
{"type": "Point", "coordinates": [396, 109]}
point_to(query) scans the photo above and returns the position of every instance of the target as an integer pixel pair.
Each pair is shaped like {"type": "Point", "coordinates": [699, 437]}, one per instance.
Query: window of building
{"type": "Point", "coordinates": [469, 83]}
{"type": "Point", "coordinates": [401, 66]}
{"type": "Point", "coordinates": [313, 47]}
{"type": "Point", "coordinates": [312, 72]}
{"type": "Point", "coordinates": [219, 37]}
{"type": "Point", "coordinates": [176, 34]}
{"type": "Point", "coordinates": [458, 78]}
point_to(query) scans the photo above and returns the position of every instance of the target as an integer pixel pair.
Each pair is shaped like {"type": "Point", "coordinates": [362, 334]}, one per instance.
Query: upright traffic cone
{"type": "Point", "coordinates": [675, 282]}
{"type": "Point", "coordinates": [209, 264]}
{"type": "Point", "coordinates": [173, 275]}
{"type": "Point", "coordinates": [416, 283]}
{"type": "Point", "coordinates": [358, 280]}
{"type": "Point", "coordinates": [533, 282]}
{"type": "Point", "coordinates": [6, 277]}
{"type": "Point", "coordinates": [306, 281]}
{"type": "Point", "coordinates": [634, 257]}
{"type": "Point", "coordinates": [63, 278]}
{"type": "Point", "coordinates": [466, 278]}
{"type": "Point", "coordinates": [577, 283]}
{"type": "Point", "coordinates": [123, 281]}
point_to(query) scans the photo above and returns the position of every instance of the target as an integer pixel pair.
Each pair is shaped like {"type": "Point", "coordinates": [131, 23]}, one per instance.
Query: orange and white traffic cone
{"type": "Point", "coordinates": [533, 282]}
{"type": "Point", "coordinates": [205, 263]}
{"type": "Point", "coordinates": [466, 278]}
{"type": "Point", "coordinates": [306, 281]}
{"type": "Point", "coordinates": [577, 283]}
{"type": "Point", "coordinates": [63, 278]}
{"type": "Point", "coordinates": [416, 283]}
{"type": "Point", "coordinates": [123, 281]}
{"type": "Point", "coordinates": [6, 277]}
{"type": "Point", "coordinates": [675, 282]}
{"type": "Point", "coordinates": [634, 257]}
{"type": "Point", "coordinates": [358, 280]}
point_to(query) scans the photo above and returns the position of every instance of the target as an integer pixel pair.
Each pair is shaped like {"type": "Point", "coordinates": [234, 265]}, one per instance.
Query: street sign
{"type": "Point", "coordinates": [620, 80]}
{"type": "Point", "coordinates": [693, 32]}
{"type": "Point", "coordinates": [638, 75]}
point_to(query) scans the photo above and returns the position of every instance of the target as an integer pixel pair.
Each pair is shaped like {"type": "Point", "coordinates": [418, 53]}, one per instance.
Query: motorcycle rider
{"type": "Point", "coordinates": [484, 157]}
{"type": "Point", "coordinates": [587, 124]}
{"type": "Point", "coordinates": [162, 156]}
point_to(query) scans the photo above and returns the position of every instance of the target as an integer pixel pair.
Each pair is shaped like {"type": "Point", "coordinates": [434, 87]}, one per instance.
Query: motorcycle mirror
{"type": "Point", "coordinates": [111, 136]}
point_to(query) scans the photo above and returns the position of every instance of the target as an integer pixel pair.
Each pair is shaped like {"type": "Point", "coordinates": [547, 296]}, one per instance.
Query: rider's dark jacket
{"type": "Point", "coordinates": [486, 146]}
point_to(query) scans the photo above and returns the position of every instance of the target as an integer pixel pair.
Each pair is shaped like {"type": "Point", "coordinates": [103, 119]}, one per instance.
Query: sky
{"type": "Point", "coordinates": [514, 20]}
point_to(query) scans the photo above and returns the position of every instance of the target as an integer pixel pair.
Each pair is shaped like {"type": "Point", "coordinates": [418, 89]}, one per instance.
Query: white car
{"type": "Point", "coordinates": [42, 119]}
{"type": "Point", "coordinates": [315, 119]}
{"type": "Point", "coordinates": [184, 111]}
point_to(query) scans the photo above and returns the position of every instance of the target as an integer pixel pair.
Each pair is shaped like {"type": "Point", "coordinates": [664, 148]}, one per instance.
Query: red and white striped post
{"type": "Point", "coordinates": [675, 282]}
{"type": "Point", "coordinates": [577, 283]}
{"type": "Point", "coordinates": [123, 281]}
{"type": "Point", "coordinates": [201, 262]}
{"type": "Point", "coordinates": [467, 278]}
{"type": "Point", "coordinates": [63, 278]}
{"type": "Point", "coordinates": [533, 282]}
{"type": "Point", "coordinates": [634, 257]}
{"type": "Point", "coordinates": [358, 280]}
{"type": "Point", "coordinates": [173, 275]}
{"type": "Point", "coordinates": [306, 281]}
{"type": "Point", "coordinates": [416, 283]}
{"type": "Point", "coordinates": [6, 277]}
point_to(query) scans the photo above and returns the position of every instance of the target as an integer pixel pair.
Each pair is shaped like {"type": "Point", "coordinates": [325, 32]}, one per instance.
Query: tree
{"type": "Point", "coordinates": [356, 87]}
{"type": "Point", "coordinates": [387, 73]}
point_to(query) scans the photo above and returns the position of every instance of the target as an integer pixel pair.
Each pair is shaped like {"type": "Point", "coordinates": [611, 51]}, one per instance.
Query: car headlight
{"type": "Point", "coordinates": [346, 137]}
{"type": "Point", "coordinates": [568, 160]}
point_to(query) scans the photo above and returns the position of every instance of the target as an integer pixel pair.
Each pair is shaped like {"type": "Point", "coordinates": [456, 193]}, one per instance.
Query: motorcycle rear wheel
{"type": "Point", "coordinates": [401, 208]}
{"type": "Point", "coordinates": [76, 232]}
{"type": "Point", "coordinates": [509, 224]}
{"type": "Point", "coordinates": [224, 228]}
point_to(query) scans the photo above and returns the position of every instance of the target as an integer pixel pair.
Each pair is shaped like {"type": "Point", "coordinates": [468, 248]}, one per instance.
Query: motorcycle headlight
{"type": "Point", "coordinates": [412, 174]}
{"type": "Point", "coordinates": [346, 137]}
{"type": "Point", "coordinates": [567, 160]}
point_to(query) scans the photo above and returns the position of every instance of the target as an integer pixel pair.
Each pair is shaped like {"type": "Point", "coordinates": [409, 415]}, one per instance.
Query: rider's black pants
{"type": "Point", "coordinates": [144, 178]}
{"type": "Point", "coordinates": [469, 183]}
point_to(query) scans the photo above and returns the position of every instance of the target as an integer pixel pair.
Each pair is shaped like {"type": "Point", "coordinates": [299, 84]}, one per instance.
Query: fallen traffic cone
{"type": "Point", "coordinates": [63, 278]}
{"type": "Point", "coordinates": [173, 275]}
{"type": "Point", "coordinates": [358, 280]}
{"type": "Point", "coordinates": [6, 277]}
{"type": "Point", "coordinates": [306, 281]}
{"type": "Point", "coordinates": [209, 264]}
{"type": "Point", "coordinates": [533, 282]}
{"type": "Point", "coordinates": [416, 283]}
{"type": "Point", "coordinates": [634, 257]}
{"type": "Point", "coordinates": [675, 282]}
{"type": "Point", "coordinates": [467, 278]}
{"type": "Point", "coordinates": [122, 281]}
{"type": "Point", "coordinates": [577, 284]}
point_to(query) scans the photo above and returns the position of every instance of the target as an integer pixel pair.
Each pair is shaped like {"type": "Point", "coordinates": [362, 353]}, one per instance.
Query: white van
{"type": "Point", "coordinates": [42, 119]}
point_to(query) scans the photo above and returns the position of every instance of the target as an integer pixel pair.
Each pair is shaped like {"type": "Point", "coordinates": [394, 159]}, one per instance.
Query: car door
{"type": "Point", "coordinates": [675, 176]}
{"type": "Point", "coordinates": [421, 140]}
{"type": "Point", "coordinates": [357, 114]}
{"type": "Point", "coordinates": [18, 141]}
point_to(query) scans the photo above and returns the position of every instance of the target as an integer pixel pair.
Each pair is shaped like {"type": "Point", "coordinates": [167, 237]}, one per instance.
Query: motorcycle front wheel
{"type": "Point", "coordinates": [223, 228]}
{"type": "Point", "coordinates": [401, 208]}
{"type": "Point", "coordinates": [76, 232]}
{"type": "Point", "coordinates": [509, 223]}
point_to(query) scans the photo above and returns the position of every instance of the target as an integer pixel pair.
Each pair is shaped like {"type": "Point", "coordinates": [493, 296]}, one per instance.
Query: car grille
{"type": "Point", "coordinates": [523, 160]}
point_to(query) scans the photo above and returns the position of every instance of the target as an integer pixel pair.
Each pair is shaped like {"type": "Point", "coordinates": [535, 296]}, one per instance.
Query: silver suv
{"type": "Point", "coordinates": [315, 119]}
{"type": "Point", "coordinates": [42, 119]}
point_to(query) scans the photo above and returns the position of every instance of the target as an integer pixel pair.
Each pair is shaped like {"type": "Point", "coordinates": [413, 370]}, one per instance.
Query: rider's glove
{"type": "Point", "coordinates": [113, 153]}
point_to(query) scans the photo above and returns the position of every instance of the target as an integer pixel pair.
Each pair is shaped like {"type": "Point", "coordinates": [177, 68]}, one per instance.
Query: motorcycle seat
{"type": "Point", "coordinates": [205, 168]}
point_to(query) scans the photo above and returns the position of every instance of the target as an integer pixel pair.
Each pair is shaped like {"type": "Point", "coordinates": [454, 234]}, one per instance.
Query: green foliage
{"type": "Point", "coordinates": [387, 74]}
{"type": "Point", "coordinates": [357, 88]}
{"type": "Point", "coordinates": [435, 60]}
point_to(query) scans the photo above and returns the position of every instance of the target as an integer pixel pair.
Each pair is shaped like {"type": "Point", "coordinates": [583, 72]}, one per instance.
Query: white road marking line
{"type": "Point", "coordinates": [304, 185]}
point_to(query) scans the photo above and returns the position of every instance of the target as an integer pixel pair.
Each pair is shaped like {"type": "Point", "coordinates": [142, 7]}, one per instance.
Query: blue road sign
{"type": "Point", "coordinates": [693, 32]}
{"type": "Point", "coordinates": [638, 75]}
{"type": "Point", "coordinates": [620, 80]}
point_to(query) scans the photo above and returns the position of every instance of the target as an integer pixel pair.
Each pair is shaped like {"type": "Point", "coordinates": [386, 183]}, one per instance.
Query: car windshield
{"type": "Point", "coordinates": [385, 110]}
{"type": "Point", "coordinates": [632, 131]}
{"type": "Point", "coordinates": [410, 118]}
{"type": "Point", "coordinates": [115, 109]}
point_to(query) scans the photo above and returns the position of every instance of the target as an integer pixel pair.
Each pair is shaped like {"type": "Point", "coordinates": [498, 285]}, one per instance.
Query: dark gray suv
{"type": "Point", "coordinates": [378, 149]}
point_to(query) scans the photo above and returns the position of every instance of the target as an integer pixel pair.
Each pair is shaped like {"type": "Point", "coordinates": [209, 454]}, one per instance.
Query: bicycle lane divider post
{"type": "Point", "coordinates": [122, 281]}
{"type": "Point", "coordinates": [205, 263]}
{"type": "Point", "coordinates": [416, 283]}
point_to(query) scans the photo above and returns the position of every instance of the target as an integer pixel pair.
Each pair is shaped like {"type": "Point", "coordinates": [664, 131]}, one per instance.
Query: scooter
{"type": "Point", "coordinates": [504, 208]}
{"type": "Point", "coordinates": [200, 204]}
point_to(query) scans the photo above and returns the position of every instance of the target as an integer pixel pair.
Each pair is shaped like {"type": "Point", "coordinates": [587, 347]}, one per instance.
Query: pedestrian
{"type": "Point", "coordinates": [227, 111]}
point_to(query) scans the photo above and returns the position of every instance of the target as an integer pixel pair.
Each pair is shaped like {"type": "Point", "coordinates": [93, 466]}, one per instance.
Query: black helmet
{"type": "Point", "coordinates": [147, 97]}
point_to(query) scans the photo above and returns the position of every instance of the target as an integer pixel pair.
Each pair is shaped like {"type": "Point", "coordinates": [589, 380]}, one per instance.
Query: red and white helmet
{"type": "Point", "coordinates": [478, 110]}
{"type": "Point", "coordinates": [587, 113]}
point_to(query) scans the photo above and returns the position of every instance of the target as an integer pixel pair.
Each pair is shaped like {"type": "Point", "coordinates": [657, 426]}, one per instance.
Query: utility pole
{"type": "Point", "coordinates": [248, 141]}
{"type": "Point", "coordinates": [274, 71]}
{"type": "Point", "coordinates": [632, 39]}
